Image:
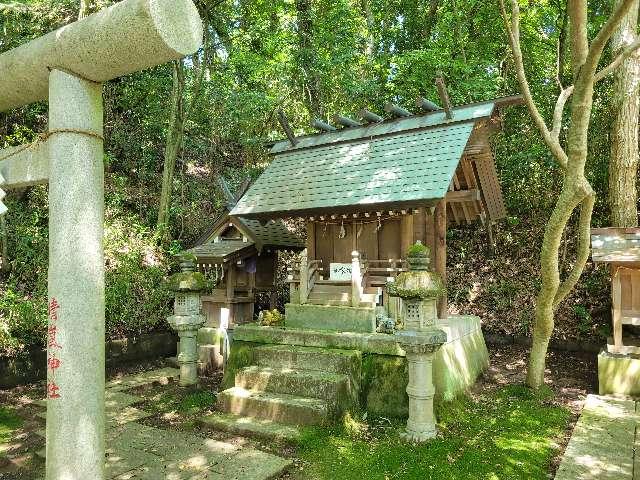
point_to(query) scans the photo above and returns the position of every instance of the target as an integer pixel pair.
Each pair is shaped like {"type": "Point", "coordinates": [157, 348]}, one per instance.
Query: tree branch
{"type": "Point", "coordinates": [622, 56]}
{"type": "Point", "coordinates": [584, 227]}
{"type": "Point", "coordinates": [513, 32]}
{"type": "Point", "coordinates": [558, 112]}
{"type": "Point", "coordinates": [577, 11]}
{"type": "Point", "coordinates": [603, 36]}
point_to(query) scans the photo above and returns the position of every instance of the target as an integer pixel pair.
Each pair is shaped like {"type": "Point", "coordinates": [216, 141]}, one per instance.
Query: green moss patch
{"type": "Point", "coordinates": [240, 356]}
{"type": "Point", "coordinates": [9, 422]}
{"type": "Point", "coordinates": [506, 434]}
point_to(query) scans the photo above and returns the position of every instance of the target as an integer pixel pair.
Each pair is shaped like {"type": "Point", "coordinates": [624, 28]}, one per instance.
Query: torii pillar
{"type": "Point", "coordinates": [68, 67]}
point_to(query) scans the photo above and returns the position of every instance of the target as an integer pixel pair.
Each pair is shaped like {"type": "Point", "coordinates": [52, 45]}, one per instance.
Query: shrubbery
{"type": "Point", "coordinates": [137, 297]}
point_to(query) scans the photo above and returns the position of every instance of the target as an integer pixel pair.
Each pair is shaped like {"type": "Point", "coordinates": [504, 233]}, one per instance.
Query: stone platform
{"type": "Point", "coordinates": [618, 374]}
{"type": "Point", "coordinates": [604, 444]}
{"type": "Point", "coordinates": [274, 370]}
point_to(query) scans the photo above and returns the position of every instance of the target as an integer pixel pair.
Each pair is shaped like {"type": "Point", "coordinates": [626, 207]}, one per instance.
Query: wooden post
{"type": "Point", "coordinates": [430, 231]}
{"type": "Point", "coordinates": [440, 257]}
{"type": "Point", "coordinates": [311, 240]}
{"type": "Point", "coordinates": [231, 280]}
{"type": "Point", "coordinates": [356, 279]}
{"type": "Point", "coordinates": [406, 233]}
{"type": "Point", "coordinates": [284, 123]}
{"type": "Point", "coordinates": [273, 299]}
{"type": "Point", "coordinates": [304, 277]}
{"type": "Point", "coordinates": [444, 96]}
{"type": "Point", "coordinates": [616, 308]}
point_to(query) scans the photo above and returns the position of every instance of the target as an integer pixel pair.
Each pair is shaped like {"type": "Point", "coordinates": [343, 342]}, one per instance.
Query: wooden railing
{"type": "Point", "coordinates": [380, 271]}
{"type": "Point", "coordinates": [302, 279]}
{"type": "Point", "coordinates": [359, 268]}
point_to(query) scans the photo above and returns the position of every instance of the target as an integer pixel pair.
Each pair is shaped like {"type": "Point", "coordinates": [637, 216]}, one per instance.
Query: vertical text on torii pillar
{"type": "Point", "coordinates": [53, 362]}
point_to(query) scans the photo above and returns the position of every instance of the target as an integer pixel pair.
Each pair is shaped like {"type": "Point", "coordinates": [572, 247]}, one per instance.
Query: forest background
{"type": "Point", "coordinates": [184, 125]}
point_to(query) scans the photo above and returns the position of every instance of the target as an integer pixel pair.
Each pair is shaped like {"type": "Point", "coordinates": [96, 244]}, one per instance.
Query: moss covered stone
{"type": "Point", "coordinates": [384, 381]}
{"type": "Point", "coordinates": [417, 285]}
{"type": "Point", "coordinates": [240, 356]}
{"type": "Point", "coordinates": [187, 282]}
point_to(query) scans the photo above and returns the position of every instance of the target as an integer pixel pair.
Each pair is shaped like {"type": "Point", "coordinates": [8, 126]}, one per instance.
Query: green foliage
{"type": "Point", "coordinates": [509, 433]}
{"type": "Point", "coordinates": [9, 422]}
{"type": "Point", "coordinates": [271, 318]}
{"type": "Point", "coordinates": [197, 402]}
{"type": "Point", "coordinates": [311, 59]}
{"type": "Point", "coordinates": [138, 299]}
{"type": "Point", "coordinates": [418, 250]}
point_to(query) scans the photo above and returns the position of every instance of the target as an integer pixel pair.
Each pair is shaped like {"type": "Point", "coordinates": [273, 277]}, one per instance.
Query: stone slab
{"type": "Point", "coordinates": [160, 376]}
{"type": "Point", "coordinates": [143, 452]}
{"type": "Point", "coordinates": [618, 374]}
{"type": "Point", "coordinates": [602, 443]}
{"type": "Point", "coordinates": [307, 383]}
{"type": "Point", "coordinates": [365, 342]}
{"type": "Point", "coordinates": [251, 427]}
{"type": "Point", "coordinates": [210, 336]}
{"type": "Point", "coordinates": [333, 318]}
{"type": "Point", "coordinates": [278, 407]}
{"type": "Point", "coordinates": [456, 327]}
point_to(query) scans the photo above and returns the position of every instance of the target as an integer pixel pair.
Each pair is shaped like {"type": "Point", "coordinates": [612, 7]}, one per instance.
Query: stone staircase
{"type": "Point", "coordinates": [295, 385]}
{"type": "Point", "coordinates": [334, 292]}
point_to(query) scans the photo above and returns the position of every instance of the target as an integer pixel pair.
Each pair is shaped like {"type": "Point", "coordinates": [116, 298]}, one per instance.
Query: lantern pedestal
{"type": "Point", "coordinates": [187, 318]}
{"type": "Point", "coordinates": [420, 348]}
{"type": "Point", "coordinates": [187, 328]}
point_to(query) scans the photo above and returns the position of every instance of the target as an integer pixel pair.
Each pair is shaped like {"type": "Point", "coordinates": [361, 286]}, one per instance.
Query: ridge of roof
{"type": "Point", "coordinates": [461, 113]}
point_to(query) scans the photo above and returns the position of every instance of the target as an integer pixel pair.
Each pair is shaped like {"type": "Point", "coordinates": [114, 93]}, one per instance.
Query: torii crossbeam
{"type": "Point", "coordinates": [68, 67]}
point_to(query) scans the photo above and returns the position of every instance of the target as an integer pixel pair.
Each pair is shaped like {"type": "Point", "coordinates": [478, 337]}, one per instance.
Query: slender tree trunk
{"type": "Point", "coordinates": [623, 166]}
{"type": "Point", "coordinates": [172, 147]}
{"type": "Point", "coordinates": [311, 79]}
{"type": "Point", "coordinates": [576, 191]}
{"type": "Point", "coordinates": [84, 8]}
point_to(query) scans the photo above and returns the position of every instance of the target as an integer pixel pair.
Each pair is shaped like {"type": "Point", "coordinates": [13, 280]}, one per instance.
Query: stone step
{"type": "Point", "coordinates": [251, 427]}
{"type": "Point", "coordinates": [331, 288]}
{"type": "Point", "coordinates": [339, 303]}
{"type": "Point", "coordinates": [330, 360]}
{"type": "Point", "coordinates": [333, 282]}
{"type": "Point", "coordinates": [316, 296]}
{"type": "Point", "coordinates": [278, 407]}
{"type": "Point", "coordinates": [333, 387]}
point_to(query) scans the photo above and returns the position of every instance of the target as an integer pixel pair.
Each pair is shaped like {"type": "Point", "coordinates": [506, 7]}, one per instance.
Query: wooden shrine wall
{"type": "Point", "coordinates": [390, 241]}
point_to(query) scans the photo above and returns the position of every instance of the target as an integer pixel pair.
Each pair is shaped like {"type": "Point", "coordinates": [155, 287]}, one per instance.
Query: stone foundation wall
{"type": "Point", "coordinates": [384, 376]}
{"type": "Point", "coordinates": [31, 368]}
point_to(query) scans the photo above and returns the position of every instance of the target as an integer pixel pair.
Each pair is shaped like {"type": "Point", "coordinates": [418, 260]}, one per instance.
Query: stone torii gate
{"type": "Point", "coordinates": [68, 67]}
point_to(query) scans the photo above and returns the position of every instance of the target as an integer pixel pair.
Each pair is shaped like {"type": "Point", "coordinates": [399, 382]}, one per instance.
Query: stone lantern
{"type": "Point", "coordinates": [187, 318]}
{"type": "Point", "coordinates": [419, 290]}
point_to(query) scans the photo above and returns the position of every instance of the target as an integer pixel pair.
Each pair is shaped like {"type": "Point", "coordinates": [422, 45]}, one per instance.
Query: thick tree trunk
{"type": "Point", "coordinates": [172, 148]}
{"type": "Point", "coordinates": [623, 166]}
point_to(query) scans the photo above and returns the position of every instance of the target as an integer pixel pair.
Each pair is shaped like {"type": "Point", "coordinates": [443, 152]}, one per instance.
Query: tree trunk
{"type": "Point", "coordinates": [623, 166]}
{"type": "Point", "coordinates": [84, 9]}
{"type": "Point", "coordinates": [576, 191]}
{"type": "Point", "coordinates": [311, 79]}
{"type": "Point", "coordinates": [172, 148]}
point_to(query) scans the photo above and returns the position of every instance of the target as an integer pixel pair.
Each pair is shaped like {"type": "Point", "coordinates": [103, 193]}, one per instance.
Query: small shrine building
{"type": "Point", "coordinates": [369, 191]}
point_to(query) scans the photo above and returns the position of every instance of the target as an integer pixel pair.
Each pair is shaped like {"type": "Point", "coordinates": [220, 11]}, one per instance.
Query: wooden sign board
{"type": "Point", "coordinates": [340, 271]}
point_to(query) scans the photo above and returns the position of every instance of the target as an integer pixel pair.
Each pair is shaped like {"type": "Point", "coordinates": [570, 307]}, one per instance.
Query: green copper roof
{"type": "Point", "coordinates": [405, 161]}
{"type": "Point", "coordinates": [272, 234]}
{"type": "Point", "coordinates": [222, 250]}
